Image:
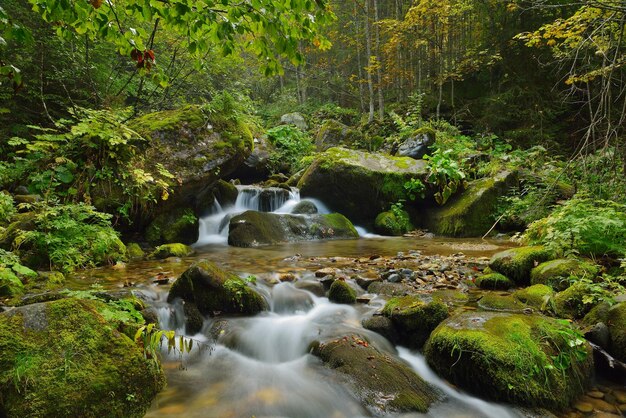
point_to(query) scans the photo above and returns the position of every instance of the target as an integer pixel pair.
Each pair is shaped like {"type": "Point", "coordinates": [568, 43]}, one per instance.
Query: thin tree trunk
{"type": "Point", "coordinates": [358, 57]}
{"type": "Point", "coordinates": [368, 46]}
{"type": "Point", "coordinates": [379, 76]}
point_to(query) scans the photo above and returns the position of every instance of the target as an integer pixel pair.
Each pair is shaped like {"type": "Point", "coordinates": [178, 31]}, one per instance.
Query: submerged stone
{"type": "Point", "coordinates": [251, 228]}
{"type": "Point", "coordinates": [523, 359]}
{"type": "Point", "coordinates": [382, 382]}
{"type": "Point", "coordinates": [63, 359]}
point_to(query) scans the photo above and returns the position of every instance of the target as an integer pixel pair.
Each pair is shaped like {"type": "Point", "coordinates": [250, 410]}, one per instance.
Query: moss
{"type": "Point", "coordinates": [494, 281]}
{"type": "Point", "coordinates": [10, 284]}
{"type": "Point", "coordinates": [616, 321]}
{"type": "Point", "coordinates": [538, 296]}
{"type": "Point", "coordinates": [190, 116]}
{"type": "Point", "coordinates": [134, 251]}
{"type": "Point", "coordinates": [341, 292]}
{"type": "Point", "coordinates": [212, 289]}
{"type": "Point", "coordinates": [338, 222]}
{"type": "Point", "coordinates": [450, 297]}
{"type": "Point", "coordinates": [517, 263]}
{"type": "Point", "coordinates": [414, 319]}
{"type": "Point", "coordinates": [523, 359]}
{"type": "Point", "coordinates": [556, 273]}
{"type": "Point", "coordinates": [177, 225]}
{"type": "Point", "coordinates": [333, 133]}
{"type": "Point", "coordinates": [388, 223]}
{"type": "Point", "coordinates": [171, 250]}
{"type": "Point", "coordinates": [384, 384]}
{"type": "Point", "coordinates": [493, 302]}
{"type": "Point", "coordinates": [63, 359]}
{"type": "Point", "coordinates": [599, 313]}
{"type": "Point", "coordinates": [571, 302]}
{"type": "Point", "coordinates": [468, 214]}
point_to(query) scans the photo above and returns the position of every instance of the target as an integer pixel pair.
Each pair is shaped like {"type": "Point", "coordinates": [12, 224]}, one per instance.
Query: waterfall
{"type": "Point", "coordinates": [214, 226]}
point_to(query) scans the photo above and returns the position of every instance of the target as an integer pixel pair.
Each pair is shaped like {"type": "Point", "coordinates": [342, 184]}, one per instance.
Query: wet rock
{"type": "Point", "coordinates": [310, 286]}
{"type": "Point", "coordinates": [494, 281]}
{"type": "Point", "coordinates": [466, 215]}
{"type": "Point", "coordinates": [327, 271]}
{"type": "Point", "coordinates": [493, 302]}
{"type": "Point", "coordinates": [509, 358]}
{"type": "Point", "coordinates": [383, 383]}
{"type": "Point", "coordinates": [364, 299]}
{"type": "Point", "coordinates": [287, 277]}
{"type": "Point", "coordinates": [450, 297]}
{"type": "Point", "coordinates": [103, 363]}
{"type": "Point", "coordinates": [288, 299]}
{"type": "Point", "coordinates": [212, 290]}
{"type": "Point", "coordinates": [383, 326]}
{"type": "Point", "coordinates": [414, 319]}
{"type": "Point", "coordinates": [253, 228]}
{"type": "Point", "coordinates": [193, 318]}
{"type": "Point", "coordinates": [305, 207]}
{"type": "Point", "coordinates": [617, 328]}
{"type": "Point", "coordinates": [341, 292]}
{"type": "Point", "coordinates": [556, 273]}
{"type": "Point", "coordinates": [171, 250]}
{"type": "Point", "coordinates": [583, 407]}
{"type": "Point", "coordinates": [365, 282]}
{"type": "Point", "coordinates": [134, 251]}
{"type": "Point", "coordinates": [517, 263]}
{"type": "Point", "coordinates": [327, 281]}
{"type": "Point", "coordinates": [538, 296]}
{"type": "Point", "coordinates": [394, 278]}
{"type": "Point", "coordinates": [358, 184]}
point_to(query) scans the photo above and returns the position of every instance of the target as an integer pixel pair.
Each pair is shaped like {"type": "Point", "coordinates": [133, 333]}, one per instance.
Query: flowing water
{"type": "Point", "coordinates": [260, 366]}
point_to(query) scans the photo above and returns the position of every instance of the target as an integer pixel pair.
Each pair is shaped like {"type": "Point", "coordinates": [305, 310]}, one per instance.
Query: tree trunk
{"type": "Point", "coordinates": [379, 76]}
{"type": "Point", "coordinates": [368, 46]}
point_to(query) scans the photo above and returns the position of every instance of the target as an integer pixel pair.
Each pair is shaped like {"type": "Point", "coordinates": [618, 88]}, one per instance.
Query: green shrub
{"type": "Point", "coordinates": [291, 146]}
{"type": "Point", "coordinates": [7, 208]}
{"type": "Point", "coordinates": [70, 236]}
{"type": "Point", "coordinates": [446, 174]}
{"type": "Point", "coordinates": [584, 226]}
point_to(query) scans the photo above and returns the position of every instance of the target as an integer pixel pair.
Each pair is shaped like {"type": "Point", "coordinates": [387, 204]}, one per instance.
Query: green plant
{"type": "Point", "coordinates": [444, 173]}
{"type": "Point", "coordinates": [11, 261]}
{"type": "Point", "coordinates": [7, 208]}
{"type": "Point", "coordinates": [414, 188]}
{"type": "Point", "coordinates": [291, 146]}
{"type": "Point", "coordinates": [584, 226]}
{"type": "Point", "coordinates": [70, 236]}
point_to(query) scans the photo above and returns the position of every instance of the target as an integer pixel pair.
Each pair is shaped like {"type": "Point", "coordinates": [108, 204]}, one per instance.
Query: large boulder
{"type": "Point", "coordinates": [414, 319]}
{"type": "Point", "coordinates": [393, 222]}
{"type": "Point", "coordinates": [517, 263]}
{"type": "Point", "coordinates": [523, 359]}
{"type": "Point", "coordinates": [417, 144]}
{"type": "Point", "coordinates": [251, 228]}
{"type": "Point", "coordinates": [336, 134]}
{"type": "Point", "coordinates": [382, 382]}
{"type": "Point", "coordinates": [295, 119]}
{"type": "Point", "coordinates": [359, 184]}
{"type": "Point", "coordinates": [467, 214]}
{"type": "Point", "coordinates": [62, 359]}
{"type": "Point", "coordinates": [556, 273]}
{"type": "Point", "coordinates": [616, 322]}
{"type": "Point", "coordinates": [175, 225]}
{"type": "Point", "coordinates": [198, 148]}
{"type": "Point", "coordinates": [213, 290]}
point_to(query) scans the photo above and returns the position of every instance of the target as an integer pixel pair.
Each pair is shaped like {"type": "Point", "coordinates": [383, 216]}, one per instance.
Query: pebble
{"type": "Point", "coordinates": [596, 394]}
{"type": "Point", "coordinates": [394, 278]}
{"type": "Point", "coordinates": [287, 277]}
{"type": "Point", "coordinates": [583, 407]}
{"type": "Point", "coordinates": [364, 299]}
{"type": "Point", "coordinates": [326, 272]}
{"type": "Point", "coordinates": [599, 404]}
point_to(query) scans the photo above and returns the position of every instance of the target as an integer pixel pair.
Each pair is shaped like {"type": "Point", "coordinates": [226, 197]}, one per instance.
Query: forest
{"type": "Point", "coordinates": [313, 208]}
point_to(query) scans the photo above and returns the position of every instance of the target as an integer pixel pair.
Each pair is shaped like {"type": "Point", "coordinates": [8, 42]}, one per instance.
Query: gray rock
{"type": "Point", "coordinates": [417, 145]}
{"type": "Point", "coordinates": [394, 278]}
{"type": "Point", "coordinates": [295, 119]}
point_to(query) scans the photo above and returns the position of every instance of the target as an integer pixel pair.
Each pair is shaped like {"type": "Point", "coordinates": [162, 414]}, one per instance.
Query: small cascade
{"type": "Point", "coordinates": [214, 226]}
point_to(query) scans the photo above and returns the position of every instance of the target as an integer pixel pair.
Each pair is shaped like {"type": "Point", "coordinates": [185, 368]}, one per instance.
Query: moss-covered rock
{"type": "Point", "coordinates": [381, 325]}
{"type": "Point", "coordinates": [414, 319]}
{"type": "Point", "coordinates": [134, 251]}
{"type": "Point", "coordinates": [251, 228]}
{"type": "Point", "coordinates": [517, 263]}
{"type": "Point", "coordinates": [494, 281]}
{"type": "Point", "coordinates": [573, 303]}
{"type": "Point", "coordinates": [175, 225]}
{"type": "Point", "coordinates": [335, 134]}
{"type": "Point", "coordinates": [383, 383]}
{"type": "Point", "coordinates": [394, 223]}
{"type": "Point", "coordinates": [538, 296]}
{"type": "Point", "coordinates": [10, 284]}
{"type": "Point", "coordinates": [556, 273]}
{"type": "Point", "coordinates": [212, 290]}
{"type": "Point", "coordinates": [501, 303]}
{"type": "Point", "coordinates": [341, 292]}
{"type": "Point", "coordinates": [171, 250]}
{"type": "Point", "coordinates": [62, 359]}
{"type": "Point", "coordinates": [523, 359]}
{"type": "Point", "coordinates": [467, 215]}
{"type": "Point", "coordinates": [616, 321]}
{"type": "Point", "coordinates": [359, 184]}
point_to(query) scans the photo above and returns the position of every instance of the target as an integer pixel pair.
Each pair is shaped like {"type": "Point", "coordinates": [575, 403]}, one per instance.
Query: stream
{"type": "Point", "coordinates": [260, 366]}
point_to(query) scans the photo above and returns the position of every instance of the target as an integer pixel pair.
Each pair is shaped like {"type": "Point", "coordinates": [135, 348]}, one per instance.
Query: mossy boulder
{"type": "Point", "coordinates": [10, 284]}
{"type": "Point", "coordinates": [335, 134]}
{"type": "Point", "coordinates": [517, 263]}
{"type": "Point", "coordinates": [556, 273]}
{"type": "Point", "coordinates": [382, 382]}
{"type": "Point", "coordinates": [198, 147]}
{"type": "Point", "coordinates": [359, 184]}
{"type": "Point", "coordinates": [393, 223]}
{"type": "Point", "coordinates": [528, 360]}
{"type": "Point", "coordinates": [573, 302]}
{"type": "Point", "coordinates": [134, 251]}
{"type": "Point", "coordinates": [538, 296]}
{"type": "Point", "coordinates": [501, 303]}
{"type": "Point", "coordinates": [414, 319]}
{"type": "Point", "coordinates": [212, 290]}
{"type": "Point", "coordinates": [175, 225]}
{"type": "Point", "coordinates": [251, 228]}
{"type": "Point", "coordinates": [305, 207]}
{"type": "Point", "coordinates": [467, 214]}
{"type": "Point", "coordinates": [616, 321]}
{"type": "Point", "coordinates": [341, 292]}
{"type": "Point", "coordinates": [171, 250]}
{"type": "Point", "coordinates": [494, 281]}
{"type": "Point", "coordinates": [62, 359]}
